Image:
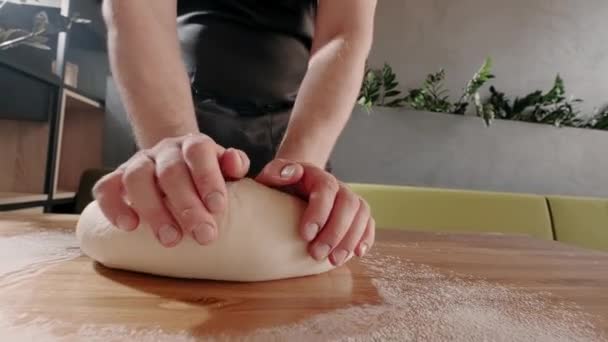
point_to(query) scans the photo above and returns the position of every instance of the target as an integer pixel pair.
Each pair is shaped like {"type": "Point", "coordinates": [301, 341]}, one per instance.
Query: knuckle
{"type": "Point", "coordinates": [166, 143]}
{"type": "Point", "coordinates": [135, 172]}
{"type": "Point", "coordinates": [207, 180]}
{"type": "Point", "coordinates": [194, 147]}
{"type": "Point", "coordinates": [169, 171]}
{"type": "Point", "coordinates": [349, 199]}
{"type": "Point", "coordinates": [330, 184]}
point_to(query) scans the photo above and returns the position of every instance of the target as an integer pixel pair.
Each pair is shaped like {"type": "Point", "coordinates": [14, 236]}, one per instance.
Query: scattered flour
{"type": "Point", "coordinates": [419, 304]}
{"type": "Point", "coordinates": [21, 254]}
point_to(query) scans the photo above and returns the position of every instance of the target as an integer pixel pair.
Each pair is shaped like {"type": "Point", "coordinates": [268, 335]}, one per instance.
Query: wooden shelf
{"type": "Point", "coordinates": [23, 151]}
{"type": "Point", "coordinates": [61, 194]}
{"type": "Point", "coordinates": [80, 142]}
{"type": "Point", "coordinates": [20, 197]}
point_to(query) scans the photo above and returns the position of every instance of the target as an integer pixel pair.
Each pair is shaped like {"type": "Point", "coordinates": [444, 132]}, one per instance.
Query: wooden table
{"type": "Point", "coordinates": [414, 286]}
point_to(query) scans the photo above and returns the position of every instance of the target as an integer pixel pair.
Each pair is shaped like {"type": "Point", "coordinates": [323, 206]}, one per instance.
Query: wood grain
{"type": "Point", "coordinates": [79, 291]}
{"type": "Point", "coordinates": [81, 139]}
{"type": "Point", "coordinates": [23, 149]}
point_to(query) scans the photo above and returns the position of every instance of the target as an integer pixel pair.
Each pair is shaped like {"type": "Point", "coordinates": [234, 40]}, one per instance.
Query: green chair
{"type": "Point", "coordinates": [423, 209]}
{"type": "Point", "coordinates": [580, 221]}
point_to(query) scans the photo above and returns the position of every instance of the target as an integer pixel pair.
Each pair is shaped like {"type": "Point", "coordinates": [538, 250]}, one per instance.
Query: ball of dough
{"type": "Point", "coordinates": [258, 241]}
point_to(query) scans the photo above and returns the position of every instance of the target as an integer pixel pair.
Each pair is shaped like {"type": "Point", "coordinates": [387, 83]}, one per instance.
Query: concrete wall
{"type": "Point", "coordinates": [450, 151]}
{"type": "Point", "coordinates": [530, 41]}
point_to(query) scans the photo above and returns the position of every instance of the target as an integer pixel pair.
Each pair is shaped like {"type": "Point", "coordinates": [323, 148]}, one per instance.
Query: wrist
{"type": "Point", "coordinates": [150, 136]}
{"type": "Point", "coordinates": [302, 151]}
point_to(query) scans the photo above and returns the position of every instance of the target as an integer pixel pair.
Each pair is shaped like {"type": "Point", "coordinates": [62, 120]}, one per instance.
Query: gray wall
{"type": "Point", "coordinates": [530, 41]}
{"type": "Point", "coordinates": [449, 151]}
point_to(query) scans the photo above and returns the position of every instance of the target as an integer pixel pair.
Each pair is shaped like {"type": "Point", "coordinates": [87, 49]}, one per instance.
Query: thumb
{"type": "Point", "coordinates": [281, 172]}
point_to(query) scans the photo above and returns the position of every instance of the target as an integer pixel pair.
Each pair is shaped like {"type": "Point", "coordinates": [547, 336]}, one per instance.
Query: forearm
{"type": "Point", "coordinates": [146, 64]}
{"type": "Point", "coordinates": [325, 102]}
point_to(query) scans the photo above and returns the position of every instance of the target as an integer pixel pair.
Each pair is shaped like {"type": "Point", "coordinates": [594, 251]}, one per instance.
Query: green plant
{"type": "Point", "coordinates": [552, 107]}
{"type": "Point", "coordinates": [599, 120]}
{"type": "Point", "coordinates": [379, 88]}
{"type": "Point", "coordinates": [370, 89]}
{"type": "Point", "coordinates": [481, 77]}
{"type": "Point", "coordinates": [434, 97]}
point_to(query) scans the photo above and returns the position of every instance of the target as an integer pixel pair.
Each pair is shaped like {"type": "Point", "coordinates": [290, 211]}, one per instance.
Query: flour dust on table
{"type": "Point", "coordinates": [258, 241]}
{"type": "Point", "coordinates": [22, 255]}
{"type": "Point", "coordinates": [420, 303]}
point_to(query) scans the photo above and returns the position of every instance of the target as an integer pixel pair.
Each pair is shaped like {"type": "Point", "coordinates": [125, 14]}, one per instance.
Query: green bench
{"type": "Point", "coordinates": [457, 211]}
{"type": "Point", "coordinates": [580, 221]}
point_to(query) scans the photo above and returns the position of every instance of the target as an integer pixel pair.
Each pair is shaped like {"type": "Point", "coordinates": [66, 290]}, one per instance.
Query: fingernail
{"type": "Point", "coordinates": [204, 234]}
{"type": "Point", "coordinates": [310, 231]}
{"type": "Point", "coordinates": [339, 256]}
{"type": "Point", "coordinates": [215, 202]}
{"type": "Point", "coordinates": [168, 235]}
{"type": "Point", "coordinates": [321, 251]}
{"type": "Point", "coordinates": [288, 171]}
{"type": "Point", "coordinates": [126, 222]}
{"type": "Point", "coordinates": [363, 249]}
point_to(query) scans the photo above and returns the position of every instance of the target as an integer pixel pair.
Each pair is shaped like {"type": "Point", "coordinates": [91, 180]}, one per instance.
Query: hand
{"type": "Point", "coordinates": [178, 187]}
{"type": "Point", "coordinates": [336, 221]}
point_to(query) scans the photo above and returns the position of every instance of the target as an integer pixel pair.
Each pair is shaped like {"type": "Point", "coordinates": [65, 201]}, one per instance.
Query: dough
{"type": "Point", "coordinates": [258, 240]}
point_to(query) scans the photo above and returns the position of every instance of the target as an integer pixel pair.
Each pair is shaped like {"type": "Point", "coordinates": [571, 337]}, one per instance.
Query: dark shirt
{"type": "Point", "coordinates": [248, 51]}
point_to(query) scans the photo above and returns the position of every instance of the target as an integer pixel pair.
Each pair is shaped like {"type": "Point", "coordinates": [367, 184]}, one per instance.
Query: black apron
{"type": "Point", "coordinates": [246, 60]}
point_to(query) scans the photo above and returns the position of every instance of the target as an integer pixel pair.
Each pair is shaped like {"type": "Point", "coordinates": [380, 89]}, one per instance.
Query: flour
{"type": "Point", "coordinates": [422, 304]}
{"type": "Point", "coordinates": [23, 254]}
{"type": "Point", "coordinates": [419, 303]}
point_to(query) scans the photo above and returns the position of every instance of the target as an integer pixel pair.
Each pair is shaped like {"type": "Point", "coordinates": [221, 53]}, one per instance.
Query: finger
{"type": "Point", "coordinates": [147, 200]}
{"type": "Point", "coordinates": [320, 203]}
{"type": "Point", "coordinates": [201, 155]}
{"type": "Point", "coordinates": [183, 201]}
{"type": "Point", "coordinates": [350, 241]}
{"type": "Point", "coordinates": [368, 238]}
{"type": "Point", "coordinates": [280, 172]}
{"type": "Point", "coordinates": [341, 218]}
{"type": "Point", "coordinates": [108, 192]}
{"type": "Point", "coordinates": [234, 164]}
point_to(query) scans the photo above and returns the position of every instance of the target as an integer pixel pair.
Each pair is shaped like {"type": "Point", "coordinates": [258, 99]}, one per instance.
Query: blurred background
{"type": "Point", "coordinates": [480, 95]}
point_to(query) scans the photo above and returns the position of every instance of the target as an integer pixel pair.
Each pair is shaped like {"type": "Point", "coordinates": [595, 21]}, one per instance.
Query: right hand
{"type": "Point", "coordinates": [177, 187]}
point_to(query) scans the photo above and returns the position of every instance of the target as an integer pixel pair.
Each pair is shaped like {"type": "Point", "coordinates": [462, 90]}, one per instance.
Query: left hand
{"type": "Point", "coordinates": [336, 221]}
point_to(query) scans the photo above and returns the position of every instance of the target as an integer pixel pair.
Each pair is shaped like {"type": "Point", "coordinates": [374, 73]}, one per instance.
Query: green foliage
{"type": "Point", "coordinates": [481, 77]}
{"type": "Point", "coordinates": [434, 97]}
{"type": "Point", "coordinates": [370, 89]}
{"type": "Point", "coordinates": [600, 120]}
{"type": "Point", "coordinates": [379, 88]}
{"type": "Point", "coordinates": [552, 107]}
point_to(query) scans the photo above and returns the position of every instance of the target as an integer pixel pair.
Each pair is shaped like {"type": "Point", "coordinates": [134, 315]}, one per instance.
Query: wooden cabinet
{"type": "Point", "coordinates": [24, 152]}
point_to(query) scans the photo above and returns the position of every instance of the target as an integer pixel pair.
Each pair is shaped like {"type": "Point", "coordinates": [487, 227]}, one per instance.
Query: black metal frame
{"type": "Point", "coordinates": [54, 127]}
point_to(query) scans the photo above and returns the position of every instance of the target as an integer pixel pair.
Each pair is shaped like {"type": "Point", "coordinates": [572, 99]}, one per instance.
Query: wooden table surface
{"type": "Point", "coordinates": [413, 286]}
